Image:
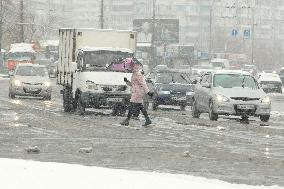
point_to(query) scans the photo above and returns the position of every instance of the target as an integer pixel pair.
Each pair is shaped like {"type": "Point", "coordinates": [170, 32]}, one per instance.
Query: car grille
{"type": "Point", "coordinates": [114, 88]}
{"type": "Point", "coordinates": [32, 83]}
{"type": "Point", "coordinates": [244, 98]}
{"type": "Point", "coordinates": [37, 91]}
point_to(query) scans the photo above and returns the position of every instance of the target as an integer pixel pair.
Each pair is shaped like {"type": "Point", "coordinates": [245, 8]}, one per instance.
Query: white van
{"type": "Point", "coordinates": [219, 63]}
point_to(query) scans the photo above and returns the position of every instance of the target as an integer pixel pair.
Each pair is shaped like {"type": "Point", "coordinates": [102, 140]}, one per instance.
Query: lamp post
{"type": "Point", "coordinates": [153, 39]}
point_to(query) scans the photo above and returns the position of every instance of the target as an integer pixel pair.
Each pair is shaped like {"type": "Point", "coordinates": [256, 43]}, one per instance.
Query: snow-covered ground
{"type": "Point", "coordinates": [16, 174]}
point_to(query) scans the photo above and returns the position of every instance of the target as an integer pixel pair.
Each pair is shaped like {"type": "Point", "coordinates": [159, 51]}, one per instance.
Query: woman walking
{"type": "Point", "coordinates": [138, 89]}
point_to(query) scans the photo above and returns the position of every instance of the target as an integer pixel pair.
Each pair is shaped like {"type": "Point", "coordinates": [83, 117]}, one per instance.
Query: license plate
{"type": "Point", "coordinates": [245, 107]}
{"type": "Point", "coordinates": [32, 89]}
{"type": "Point", "coordinates": [178, 98]}
{"type": "Point", "coordinates": [114, 99]}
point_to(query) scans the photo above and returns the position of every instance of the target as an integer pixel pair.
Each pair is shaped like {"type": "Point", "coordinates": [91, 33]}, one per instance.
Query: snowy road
{"type": "Point", "coordinates": [176, 143]}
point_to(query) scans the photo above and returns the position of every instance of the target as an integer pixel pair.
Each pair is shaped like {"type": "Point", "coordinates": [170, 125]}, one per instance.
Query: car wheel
{"type": "Point", "coordinates": [48, 97]}
{"type": "Point", "coordinates": [155, 105]}
{"type": "Point", "coordinates": [212, 116]}
{"type": "Point", "coordinates": [182, 107]}
{"type": "Point", "coordinates": [81, 107]}
{"type": "Point", "coordinates": [194, 110]}
{"type": "Point", "coordinates": [264, 118]}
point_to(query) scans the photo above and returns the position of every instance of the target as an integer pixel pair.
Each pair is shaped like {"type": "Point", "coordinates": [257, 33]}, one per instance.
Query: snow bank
{"type": "Point", "coordinates": [16, 174]}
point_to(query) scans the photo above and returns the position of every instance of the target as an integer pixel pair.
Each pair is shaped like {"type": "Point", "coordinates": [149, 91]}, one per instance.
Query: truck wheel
{"type": "Point", "coordinates": [264, 118]}
{"type": "Point", "coordinates": [11, 95]}
{"type": "Point", "coordinates": [194, 110]}
{"type": "Point", "coordinates": [67, 100]}
{"type": "Point", "coordinates": [212, 116]}
{"type": "Point", "coordinates": [81, 107]}
{"type": "Point", "coordinates": [182, 107]}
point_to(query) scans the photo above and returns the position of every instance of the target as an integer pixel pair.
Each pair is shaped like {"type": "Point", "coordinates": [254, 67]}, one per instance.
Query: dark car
{"type": "Point", "coordinates": [270, 83]}
{"type": "Point", "coordinates": [171, 87]}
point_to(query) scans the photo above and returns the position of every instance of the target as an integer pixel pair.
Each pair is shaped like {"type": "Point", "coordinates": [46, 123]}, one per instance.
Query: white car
{"type": "Point", "coordinates": [30, 80]}
{"type": "Point", "coordinates": [228, 92]}
{"type": "Point", "coordinates": [270, 82]}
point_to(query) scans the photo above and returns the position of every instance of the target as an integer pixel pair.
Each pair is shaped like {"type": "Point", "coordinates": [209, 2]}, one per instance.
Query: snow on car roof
{"type": "Point", "coordinates": [231, 72]}
{"type": "Point", "coordinates": [269, 77]}
{"type": "Point", "coordinates": [125, 50]}
{"type": "Point", "coordinates": [30, 64]}
{"type": "Point", "coordinates": [21, 47]}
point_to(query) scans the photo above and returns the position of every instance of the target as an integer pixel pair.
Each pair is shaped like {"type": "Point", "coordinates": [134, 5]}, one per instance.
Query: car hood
{"type": "Point", "coordinates": [175, 87]}
{"type": "Point", "coordinates": [105, 78]}
{"type": "Point", "coordinates": [240, 92]}
{"type": "Point", "coordinates": [32, 79]}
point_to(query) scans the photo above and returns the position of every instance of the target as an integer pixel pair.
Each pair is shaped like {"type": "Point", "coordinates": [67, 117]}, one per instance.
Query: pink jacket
{"type": "Point", "coordinates": [138, 86]}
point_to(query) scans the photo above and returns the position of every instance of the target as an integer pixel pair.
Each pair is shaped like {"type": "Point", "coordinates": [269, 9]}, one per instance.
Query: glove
{"type": "Point", "coordinates": [126, 80]}
{"type": "Point", "coordinates": [151, 94]}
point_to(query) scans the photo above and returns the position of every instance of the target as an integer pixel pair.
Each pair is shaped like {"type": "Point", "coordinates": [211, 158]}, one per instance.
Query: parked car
{"type": "Point", "coordinates": [219, 63]}
{"type": "Point", "coordinates": [250, 68]}
{"type": "Point", "coordinates": [30, 80]}
{"type": "Point", "coordinates": [228, 92]}
{"type": "Point", "coordinates": [171, 87]}
{"type": "Point", "coordinates": [270, 83]}
{"type": "Point", "coordinates": [281, 74]}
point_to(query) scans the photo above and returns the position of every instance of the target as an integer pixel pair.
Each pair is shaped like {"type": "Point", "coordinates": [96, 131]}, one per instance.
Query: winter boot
{"type": "Point", "coordinates": [125, 122]}
{"type": "Point", "coordinates": [147, 122]}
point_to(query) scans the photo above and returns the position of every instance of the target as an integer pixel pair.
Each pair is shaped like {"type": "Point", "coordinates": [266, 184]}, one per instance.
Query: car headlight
{"type": "Point", "coordinates": [164, 92]}
{"type": "Point", "coordinates": [189, 93]}
{"type": "Point", "coordinates": [47, 84]}
{"type": "Point", "coordinates": [17, 83]}
{"type": "Point", "coordinates": [222, 98]}
{"type": "Point", "coordinates": [266, 100]}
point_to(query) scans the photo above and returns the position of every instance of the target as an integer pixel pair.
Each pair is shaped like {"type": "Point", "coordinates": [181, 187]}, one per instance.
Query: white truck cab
{"type": "Point", "coordinates": [85, 69]}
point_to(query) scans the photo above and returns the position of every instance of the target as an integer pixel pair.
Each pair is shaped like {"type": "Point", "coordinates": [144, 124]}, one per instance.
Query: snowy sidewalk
{"type": "Point", "coordinates": [17, 174]}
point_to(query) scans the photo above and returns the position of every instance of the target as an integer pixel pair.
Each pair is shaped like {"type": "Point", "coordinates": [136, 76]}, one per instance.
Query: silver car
{"type": "Point", "coordinates": [230, 93]}
{"type": "Point", "coordinates": [30, 80]}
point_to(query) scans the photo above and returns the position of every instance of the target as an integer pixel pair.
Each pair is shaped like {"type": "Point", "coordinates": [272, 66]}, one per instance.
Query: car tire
{"type": "Point", "coordinates": [264, 118]}
{"type": "Point", "coordinates": [182, 107]}
{"type": "Point", "coordinates": [48, 97]}
{"type": "Point", "coordinates": [212, 116]}
{"type": "Point", "coordinates": [81, 107]}
{"type": "Point", "coordinates": [194, 110]}
{"type": "Point", "coordinates": [155, 105]}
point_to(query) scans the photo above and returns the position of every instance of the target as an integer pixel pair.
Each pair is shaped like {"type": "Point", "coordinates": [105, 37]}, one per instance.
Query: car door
{"type": "Point", "coordinates": [207, 92]}
{"type": "Point", "coordinates": [200, 95]}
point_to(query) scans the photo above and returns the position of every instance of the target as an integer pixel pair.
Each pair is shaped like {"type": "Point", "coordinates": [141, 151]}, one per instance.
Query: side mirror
{"type": "Point", "coordinates": [194, 81]}
{"type": "Point", "coordinates": [11, 73]}
{"type": "Point", "coordinates": [206, 85]}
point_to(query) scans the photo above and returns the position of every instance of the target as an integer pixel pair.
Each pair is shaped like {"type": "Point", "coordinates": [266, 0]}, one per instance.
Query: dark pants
{"type": "Point", "coordinates": [135, 108]}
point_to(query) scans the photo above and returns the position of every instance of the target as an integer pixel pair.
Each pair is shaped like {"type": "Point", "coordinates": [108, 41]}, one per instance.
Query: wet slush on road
{"type": "Point", "coordinates": [226, 149]}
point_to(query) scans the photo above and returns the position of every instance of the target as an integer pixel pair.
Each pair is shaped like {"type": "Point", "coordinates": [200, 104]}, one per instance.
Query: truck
{"type": "Point", "coordinates": [84, 68]}
{"type": "Point", "coordinates": [20, 53]}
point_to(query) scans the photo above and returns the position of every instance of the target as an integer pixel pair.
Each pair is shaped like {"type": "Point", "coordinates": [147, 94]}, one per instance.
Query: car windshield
{"type": "Point", "coordinates": [31, 71]}
{"type": "Point", "coordinates": [202, 67]}
{"type": "Point", "coordinates": [234, 80]}
{"type": "Point", "coordinates": [103, 60]}
{"type": "Point", "coordinates": [172, 77]}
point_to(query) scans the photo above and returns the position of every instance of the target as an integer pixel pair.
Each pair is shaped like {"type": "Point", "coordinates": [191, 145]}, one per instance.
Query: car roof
{"type": "Point", "coordinates": [240, 72]}
{"type": "Point", "coordinates": [30, 64]}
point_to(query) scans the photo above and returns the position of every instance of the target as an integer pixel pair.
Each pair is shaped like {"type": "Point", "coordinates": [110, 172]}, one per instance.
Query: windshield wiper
{"type": "Point", "coordinates": [243, 82]}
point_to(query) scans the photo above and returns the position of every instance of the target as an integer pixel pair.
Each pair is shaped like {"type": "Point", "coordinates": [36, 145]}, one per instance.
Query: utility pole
{"type": "Point", "coordinates": [210, 34]}
{"type": "Point", "coordinates": [153, 39]}
{"type": "Point", "coordinates": [1, 30]}
{"type": "Point", "coordinates": [252, 34]}
{"type": "Point", "coordinates": [22, 20]}
{"type": "Point", "coordinates": [102, 14]}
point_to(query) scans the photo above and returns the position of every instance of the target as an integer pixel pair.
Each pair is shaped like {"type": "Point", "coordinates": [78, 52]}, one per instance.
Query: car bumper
{"type": "Point", "coordinates": [35, 91]}
{"type": "Point", "coordinates": [242, 108]}
{"type": "Point", "coordinates": [107, 99]}
{"type": "Point", "coordinates": [174, 99]}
